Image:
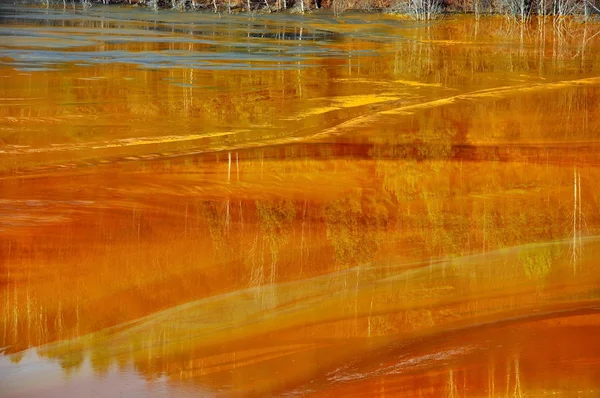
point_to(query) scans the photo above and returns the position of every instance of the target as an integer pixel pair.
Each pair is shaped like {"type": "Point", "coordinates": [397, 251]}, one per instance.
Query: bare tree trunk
{"type": "Point", "coordinates": [574, 221]}
{"type": "Point", "coordinates": [592, 6]}
{"type": "Point", "coordinates": [583, 44]}
{"type": "Point", "coordinates": [338, 7]}
{"type": "Point", "coordinates": [229, 167]}
{"type": "Point", "coordinates": [215, 5]}
{"type": "Point", "coordinates": [586, 10]}
{"type": "Point", "coordinates": [576, 244]}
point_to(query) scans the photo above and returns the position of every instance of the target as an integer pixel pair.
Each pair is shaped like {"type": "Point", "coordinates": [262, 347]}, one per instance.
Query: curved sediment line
{"type": "Point", "coordinates": [204, 318]}
{"type": "Point", "coordinates": [339, 129]}
{"type": "Point", "coordinates": [399, 355]}
{"type": "Point", "coordinates": [498, 92]}
{"type": "Point", "coordinates": [118, 143]}
{"type": "Point", "coordinates": [258, 325]}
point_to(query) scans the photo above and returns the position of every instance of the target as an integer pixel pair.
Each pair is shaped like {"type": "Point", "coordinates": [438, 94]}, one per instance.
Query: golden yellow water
{"type": "Point", "coordinates": [200, 205]}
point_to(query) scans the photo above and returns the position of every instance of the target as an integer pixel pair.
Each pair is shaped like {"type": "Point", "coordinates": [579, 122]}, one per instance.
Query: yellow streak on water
{"type": "Point", "coordinates": [116, 143]}
{"type": "Point", "coordinates": [417, 84]}
{"type": "Point", "coordinates": [345, 102]}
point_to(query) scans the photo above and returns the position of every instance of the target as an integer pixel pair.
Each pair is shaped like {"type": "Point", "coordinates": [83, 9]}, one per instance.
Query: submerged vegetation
{"type": "Point", "coordinates": [521, 10]}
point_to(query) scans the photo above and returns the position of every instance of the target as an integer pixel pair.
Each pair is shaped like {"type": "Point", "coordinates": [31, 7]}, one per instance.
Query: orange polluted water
{"type": "Point", "coordinates": [285, 205]}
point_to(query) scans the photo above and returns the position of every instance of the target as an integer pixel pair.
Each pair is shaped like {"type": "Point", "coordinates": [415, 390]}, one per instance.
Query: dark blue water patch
{"type": "Point", "coordinates": [48, 16]}
{"type": "Point", "coordinates": [33, 69]}
{"type": "Point", "coordinates": [67, 40]}
{"type": "Point", "coordinates": [227, 55]}
{"type": "Point", "coordinates": [248, 30]}
{"type": "Point", "coordinates": [63, 31]}
{"type": "Point", "coordinates": [221, 61]}
{"type": "Point", "coordinates": [184, 85]}
{"type": "Point", "coordinates": [167, 56]}
{"type": "Point", "coordinates": [267, 42]}
{"type": "Point", "coordinates": [114, 36]}
{"type": "Point", "coordinates": [196, 23]}
{"type": "Point", "coordinates": [279, 26]}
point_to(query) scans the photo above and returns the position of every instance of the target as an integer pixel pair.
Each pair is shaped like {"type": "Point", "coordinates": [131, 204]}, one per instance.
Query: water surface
{"type": "Point", "coordinates": [280, 205]}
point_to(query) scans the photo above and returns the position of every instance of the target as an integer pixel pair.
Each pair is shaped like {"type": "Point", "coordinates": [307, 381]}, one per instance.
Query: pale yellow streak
{"type": "Point", "coordinates": [342, 102]}
{"type": "Point", "coordinates": [159, 140]}
{"type": "Point", "coordinates": [417, 84]}
{"type": "Point", "coordinates": [498, 92]}
{"type": "Point", "coordinates": [351, 101]}
{"type": "Point", "coordinates": [315, 111]}
{"type": "Point", "coordinates": [125, 142]}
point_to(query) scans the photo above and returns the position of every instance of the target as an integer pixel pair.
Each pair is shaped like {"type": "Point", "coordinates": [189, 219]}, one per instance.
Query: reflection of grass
{"type": "Point", "coordinates": [354, 227]}
{"type": "Point", "coordinates": [204, 335]}
{"type": "Point", "coordinates": [275, 219]}
{"type": "Point", "coordinates": [536, 264]}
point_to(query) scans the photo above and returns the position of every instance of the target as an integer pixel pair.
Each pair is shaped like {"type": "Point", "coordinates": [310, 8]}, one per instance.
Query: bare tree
{"type": "Point", "coordinates": [481, 7]}
{"type": "Point", "coordinates": [590, 5]}
{"type": "Point", "coordinates": [566, 7]}
{"type": "Point", "coordinates": [178, 4]}
{"type": "Point", "coordinates": [576, 244]}
{"type": "Point", "coordinates": [423, 10]}
{"type": "Point", "coordinates": [338, 6]}
{"type": "Point", "coordinates": [519, 9]}
{"type": "Point", "coordinates": [420, 10]}
{"type": "Point", "coordinates": [153, 5]}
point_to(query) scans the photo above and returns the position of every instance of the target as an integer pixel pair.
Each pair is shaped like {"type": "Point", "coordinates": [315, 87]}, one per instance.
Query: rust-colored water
{"type": "Point", "coordinates": [193, 205]}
